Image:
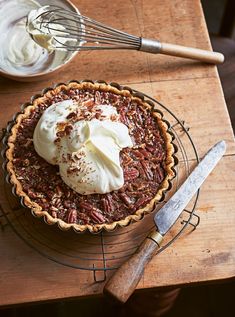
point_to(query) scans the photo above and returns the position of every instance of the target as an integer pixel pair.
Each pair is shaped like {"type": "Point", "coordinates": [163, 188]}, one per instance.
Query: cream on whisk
{"type": "Point", "coordinates": [50, 35]}
{"type": "Point", "coordinates": [40, 33]}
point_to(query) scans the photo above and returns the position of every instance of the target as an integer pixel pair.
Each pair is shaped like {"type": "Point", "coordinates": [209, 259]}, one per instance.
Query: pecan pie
{"type": "Point", "coordinates": [53, 187]}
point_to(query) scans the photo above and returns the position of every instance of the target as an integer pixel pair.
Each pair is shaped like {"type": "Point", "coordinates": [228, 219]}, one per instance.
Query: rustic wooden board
{"type": "Point", "coordinates": [192, 91]}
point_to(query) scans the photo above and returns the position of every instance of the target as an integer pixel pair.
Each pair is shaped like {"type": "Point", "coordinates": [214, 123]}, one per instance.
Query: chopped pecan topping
{"type": "Point", "coordinates": [68, 129]}
{"type": "Point", "coordinates": [71, 115]}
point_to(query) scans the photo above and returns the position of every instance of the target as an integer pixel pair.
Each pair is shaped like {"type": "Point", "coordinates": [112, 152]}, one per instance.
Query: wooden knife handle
{"type": "Point", "coordinates": [124, 281]}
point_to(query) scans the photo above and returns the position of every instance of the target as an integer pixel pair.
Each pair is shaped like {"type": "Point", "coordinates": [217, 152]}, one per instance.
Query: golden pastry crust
{"type": "Point", "coordinates": [169, 161]}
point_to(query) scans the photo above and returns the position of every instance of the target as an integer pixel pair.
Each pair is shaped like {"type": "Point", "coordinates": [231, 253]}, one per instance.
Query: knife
{"type": "Point", "coordinates": [124, 281]}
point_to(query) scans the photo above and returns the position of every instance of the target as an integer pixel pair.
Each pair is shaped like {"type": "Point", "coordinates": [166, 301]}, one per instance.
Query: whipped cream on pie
{"type": "Point", "coordinates": [87, 151]}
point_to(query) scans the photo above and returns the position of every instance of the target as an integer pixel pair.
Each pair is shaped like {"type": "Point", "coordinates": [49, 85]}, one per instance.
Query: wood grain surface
{"type": "Point", "coordinates": [193, 92]}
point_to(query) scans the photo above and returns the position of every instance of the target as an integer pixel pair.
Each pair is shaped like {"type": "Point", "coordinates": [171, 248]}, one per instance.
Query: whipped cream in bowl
{"type": "Point", "coordinates": [21, 58]}
{"type": "Point", "coordinates": [86, 151]}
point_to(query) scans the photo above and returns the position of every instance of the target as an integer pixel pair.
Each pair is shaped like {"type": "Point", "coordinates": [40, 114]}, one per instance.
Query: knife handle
{"type": "Point", "coordinates": [124, 281]}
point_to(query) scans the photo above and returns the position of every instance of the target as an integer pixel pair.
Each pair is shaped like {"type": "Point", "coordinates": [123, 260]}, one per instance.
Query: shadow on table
{"type": "Point", "coordinates": [205, 301]}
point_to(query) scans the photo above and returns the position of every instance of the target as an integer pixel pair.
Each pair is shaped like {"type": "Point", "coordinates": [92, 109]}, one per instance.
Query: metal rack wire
{"type": "Point", "coordinates": [104, 251]}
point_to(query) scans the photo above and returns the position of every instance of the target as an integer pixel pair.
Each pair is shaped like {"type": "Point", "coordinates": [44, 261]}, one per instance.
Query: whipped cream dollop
{"type": "Point", "coordinates": [87, 151]}
{"type": "Point", "coordinates": [19, 53]}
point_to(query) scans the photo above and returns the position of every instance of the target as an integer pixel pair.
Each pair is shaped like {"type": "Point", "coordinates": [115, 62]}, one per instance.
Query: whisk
{"type": "Point", "coordinates": [72, 31]}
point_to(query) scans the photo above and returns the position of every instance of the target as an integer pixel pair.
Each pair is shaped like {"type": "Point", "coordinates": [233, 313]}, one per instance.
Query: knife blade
{"type": "Point", "coordinates": [169, 213]}
{"type": "Point", "coordinates": [123, 283]}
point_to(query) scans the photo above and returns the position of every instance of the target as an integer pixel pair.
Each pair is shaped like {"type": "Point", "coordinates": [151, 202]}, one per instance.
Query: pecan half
{"type": "Point", "coordinates": [72, 216]}
{"type": "Point", "coordinates": [108, 204]}
{"type": "Point", "coordinates": [125, 198]}
{"type": "Point", "coordinates": [87, 206]}
{"type": "Point", "coordinates": [97, 216]}
{"type": "Point", "coordinates": [142, 201]}
{"type": "Point", "coordinates": [147, 170]}
{"type": "Point", "coordinates": [130, 174]}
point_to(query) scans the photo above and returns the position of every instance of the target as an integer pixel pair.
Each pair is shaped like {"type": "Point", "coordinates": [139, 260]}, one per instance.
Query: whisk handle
{"type": "Point", "coordinates": [155, 47]}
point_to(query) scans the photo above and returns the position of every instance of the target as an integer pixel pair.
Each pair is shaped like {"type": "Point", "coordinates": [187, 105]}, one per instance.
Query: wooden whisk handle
{"type": "Point", "coordinates": [152, 46]}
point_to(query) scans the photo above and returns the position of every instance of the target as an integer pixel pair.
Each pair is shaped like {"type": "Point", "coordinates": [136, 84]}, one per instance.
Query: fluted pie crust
{"type": "Point", "coordinates": [117, 95]}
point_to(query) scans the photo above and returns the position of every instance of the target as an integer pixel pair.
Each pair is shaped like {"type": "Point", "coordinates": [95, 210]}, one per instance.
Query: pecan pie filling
{"type": "Point", "coordinates": [144, 164]}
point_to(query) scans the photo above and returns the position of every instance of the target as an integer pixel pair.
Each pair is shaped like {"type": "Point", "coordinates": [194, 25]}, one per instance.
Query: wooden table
{"type": "Point", "coordinates": [192, 90]}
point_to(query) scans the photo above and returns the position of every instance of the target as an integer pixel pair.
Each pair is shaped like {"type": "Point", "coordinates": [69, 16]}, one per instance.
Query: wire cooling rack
{"type": "Point", "coordinates": [104, 251]}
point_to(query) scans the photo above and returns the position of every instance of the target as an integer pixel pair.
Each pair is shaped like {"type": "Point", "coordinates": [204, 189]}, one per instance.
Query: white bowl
{"type": "Point", "coordinates": [49, 67]}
